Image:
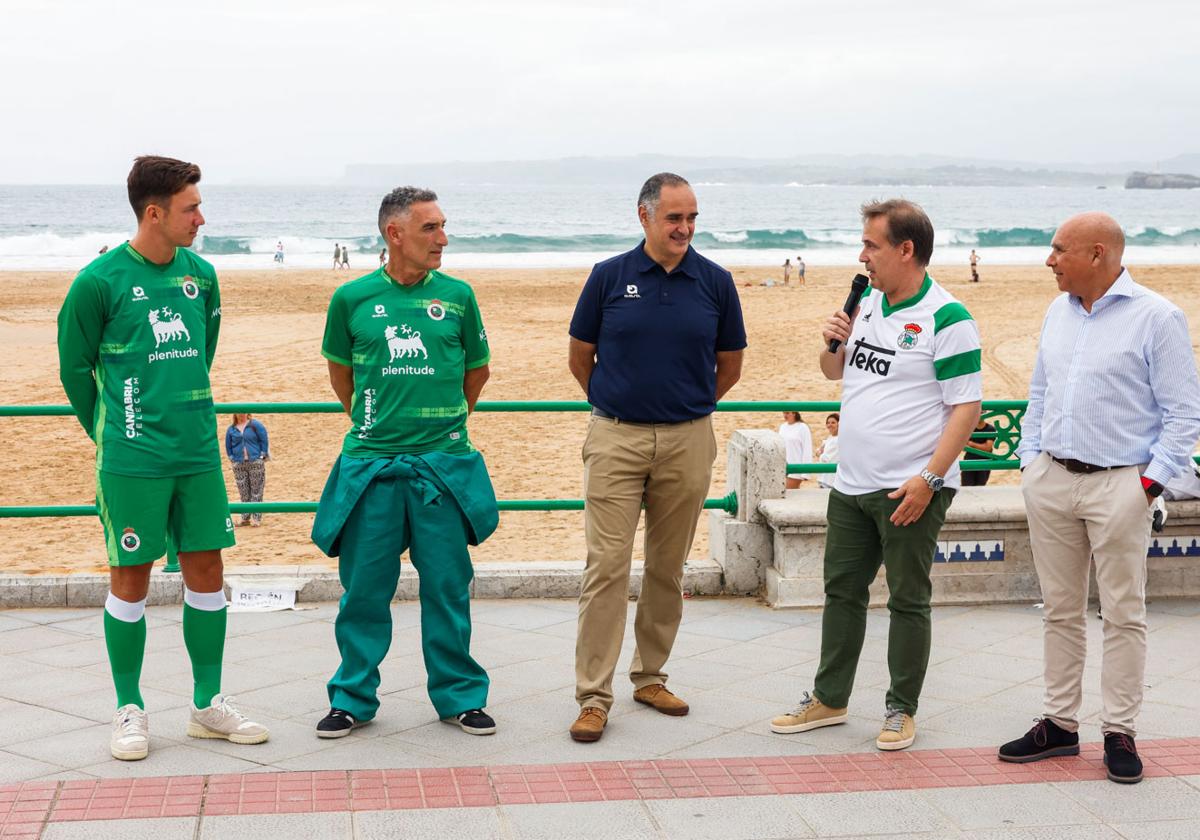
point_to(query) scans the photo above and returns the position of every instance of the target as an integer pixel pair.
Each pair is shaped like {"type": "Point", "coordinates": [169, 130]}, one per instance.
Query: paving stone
{"type": "Point", "coordinates": [163, 828]}
{"type": "Point", "coordinates": [728, 818]}
{"type": "Point", "coordinates": [1006, 806]}
{"type": "Point", "coordinates": [1160, 830]}
{"type": "Point", "coordinates": [333, 826]}
{"type": "Point", "coordinates": [579, 821]}
{"type": "Point", "coordinates": [474, 823]}
{"type": "Point", "coordinates": [1150, 799]}
{"type": "Point", "coordinates": [873, 812]}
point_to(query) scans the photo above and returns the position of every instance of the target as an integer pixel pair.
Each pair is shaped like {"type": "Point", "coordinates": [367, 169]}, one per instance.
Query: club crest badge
{"type": "Point", "coordinates": [130, 541]}
{"type": "Point", "coordinates": [436, 310]}
{"type": "Point", "coordinates": [190, 290]}
{"type": "Point", "coordinates": [908, 339]}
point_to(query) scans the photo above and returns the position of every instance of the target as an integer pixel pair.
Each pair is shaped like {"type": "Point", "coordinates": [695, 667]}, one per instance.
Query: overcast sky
{"type": "Point", "coordinates": [295, 91]}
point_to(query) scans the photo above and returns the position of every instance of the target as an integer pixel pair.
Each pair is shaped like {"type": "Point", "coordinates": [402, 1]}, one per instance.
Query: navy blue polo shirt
{"type": "Point", "coordinates": [657, 335]}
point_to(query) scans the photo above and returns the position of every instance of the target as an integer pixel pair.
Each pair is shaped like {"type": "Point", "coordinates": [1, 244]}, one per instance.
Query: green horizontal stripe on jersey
{"type": "Point", "coordinates": [336, 359]}
{"type": "Point", "coordinates": [960, 364]}
{"type": "Point", "coordinates": [951, 313]}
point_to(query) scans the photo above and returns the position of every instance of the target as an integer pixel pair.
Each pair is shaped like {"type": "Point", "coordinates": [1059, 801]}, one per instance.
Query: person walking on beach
{"type": "Point", "coordinates": [247, 447]}
{"type": "Point", "coordinates": [337, 256]}
{"type": "Point", "coordinates": [382, 257]}
{"type": "Point", "coordinates": [137, 333]}
{"type": "Point", "coordinates": [279, 252]}
{"type": "Point", "coordinates": [1114, 414]}
{"type": "Point", "coordinates": [345, 257]}
{"type": "Point", "coordinates": [974, 266]}
{"type": "Point", "coordinates": [909, 363]}
{"type": "Point", "coordinates": [800, 271]}
{"type": "Point", "coordinates": [656, 340]}
{"type": "Point", "coordinates": [408, 358]}
{"type": "Point", "coordinates": [787, 272]}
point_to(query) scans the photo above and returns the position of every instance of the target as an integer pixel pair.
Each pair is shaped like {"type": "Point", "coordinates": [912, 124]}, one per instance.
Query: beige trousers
{"type": "Point", "coordinates": [1072, 519]}
{"type": "Point", "coordinates": [667, 466]}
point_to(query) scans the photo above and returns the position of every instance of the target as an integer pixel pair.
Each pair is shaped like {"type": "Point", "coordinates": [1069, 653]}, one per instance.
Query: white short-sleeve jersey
{"type": "Point", "coordinates": [906, 367]}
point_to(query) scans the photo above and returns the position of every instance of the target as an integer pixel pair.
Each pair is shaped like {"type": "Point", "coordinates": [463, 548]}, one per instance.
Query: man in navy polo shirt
{"type": "Point", "coordinates": [657, 338]}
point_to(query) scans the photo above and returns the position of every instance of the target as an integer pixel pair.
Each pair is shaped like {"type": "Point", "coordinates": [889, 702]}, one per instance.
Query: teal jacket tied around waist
{"type": "Point", "coordinates": [464, 476]}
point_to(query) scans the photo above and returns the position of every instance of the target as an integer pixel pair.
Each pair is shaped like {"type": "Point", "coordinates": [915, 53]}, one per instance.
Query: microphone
{"type": "Point", "coordinates": [857, 286]}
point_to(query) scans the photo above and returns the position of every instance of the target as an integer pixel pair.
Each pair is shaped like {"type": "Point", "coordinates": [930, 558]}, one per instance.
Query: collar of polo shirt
{"type": "Point", "coordinates": [686, 266]}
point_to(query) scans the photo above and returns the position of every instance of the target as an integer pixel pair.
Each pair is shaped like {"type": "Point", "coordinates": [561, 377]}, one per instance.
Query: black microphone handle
{"type": "Point", "coordinates": [857, 286]}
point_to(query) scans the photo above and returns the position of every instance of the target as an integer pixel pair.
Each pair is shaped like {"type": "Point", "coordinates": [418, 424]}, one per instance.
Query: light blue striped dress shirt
{"type": "Point", "coordinates": [1115, 386]}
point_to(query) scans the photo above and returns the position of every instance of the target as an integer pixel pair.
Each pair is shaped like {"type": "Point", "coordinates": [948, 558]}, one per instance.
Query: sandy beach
{"type": "Point", "coordinates": [270, 351]}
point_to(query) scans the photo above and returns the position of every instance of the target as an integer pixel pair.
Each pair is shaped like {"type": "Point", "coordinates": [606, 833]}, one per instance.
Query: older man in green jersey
{"type": "Point", "coordinates": [408, 358]}
{"type": "Point", "coordinates": [136, 338]}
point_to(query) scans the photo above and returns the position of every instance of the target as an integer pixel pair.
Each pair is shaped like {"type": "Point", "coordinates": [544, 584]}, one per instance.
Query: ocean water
{"type": "Point", "coordinates": [63, 227]}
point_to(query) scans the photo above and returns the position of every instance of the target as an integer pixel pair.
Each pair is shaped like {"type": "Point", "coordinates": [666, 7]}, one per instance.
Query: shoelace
{"type": "Point", "coordinates": [893, 721]}
{"type": "Point", "coordinates": [1121, 740]}
{"type": "Point", "coordinates": [807, 701]}
{"type": "Point", "coordinates": [1039, 732]}
{"type": "Point", "coordinates": [592, 710]}
{"type": "Point", "coordinates": [130, 722]}
{"type": "Point", "coordinates": [225, 707]}
{"type": "Point", "coordinates": [339, 714]}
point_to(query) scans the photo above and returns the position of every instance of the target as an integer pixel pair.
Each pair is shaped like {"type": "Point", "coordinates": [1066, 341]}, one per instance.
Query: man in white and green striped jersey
{"type": "Point", "coordinates": [909, 362]}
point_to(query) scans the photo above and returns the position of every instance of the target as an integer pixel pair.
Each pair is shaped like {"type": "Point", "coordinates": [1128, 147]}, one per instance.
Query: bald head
{"type": "Point", "coordinates": [1096, 229]}
{"type": "Point", "coordinates": [1086, 255]}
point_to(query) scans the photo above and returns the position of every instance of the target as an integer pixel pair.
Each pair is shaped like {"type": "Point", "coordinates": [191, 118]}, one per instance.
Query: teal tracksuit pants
{"type": "Point", "coordinates": [406, 506]}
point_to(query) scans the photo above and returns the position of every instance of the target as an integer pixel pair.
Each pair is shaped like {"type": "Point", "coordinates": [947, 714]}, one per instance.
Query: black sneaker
{"type": "Point", "coordinates": [1121, 758]}
{"type": "Point", "coordinates": [338, 724]}
{"type": "Point", "coordinates": [474, 722]}
{"type": "Point", "coordinates": [1046, 739]}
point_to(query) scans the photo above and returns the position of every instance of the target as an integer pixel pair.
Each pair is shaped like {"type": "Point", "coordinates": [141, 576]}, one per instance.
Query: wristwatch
{"type": "Point", "coordinates": [934, 480]}
{"type": "Point", "coordinates": [1153, 488]}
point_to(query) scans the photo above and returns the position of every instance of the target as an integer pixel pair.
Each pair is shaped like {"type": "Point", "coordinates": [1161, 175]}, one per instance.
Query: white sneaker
{"type": "Point", "coordinates": [130, 734]}
{"type": "Point", "coordinates": [222, 720]}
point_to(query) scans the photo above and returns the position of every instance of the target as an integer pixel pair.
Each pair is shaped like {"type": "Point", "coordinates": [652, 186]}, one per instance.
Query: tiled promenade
{"type": "Point", "coordinates": [716, 773]}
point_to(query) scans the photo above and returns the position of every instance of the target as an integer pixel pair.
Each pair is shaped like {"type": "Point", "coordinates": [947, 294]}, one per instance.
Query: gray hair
{"type": "Point", "coordinates": [651, 192]}
{"type": "Point", "coordinates": [398, 203]}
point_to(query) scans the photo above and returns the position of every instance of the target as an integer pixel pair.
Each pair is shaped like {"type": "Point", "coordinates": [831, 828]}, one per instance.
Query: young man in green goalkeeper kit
{"type": "Point", "coordinates": [408, 357]}
{"type": "Point", "coordinates": [136, 338]}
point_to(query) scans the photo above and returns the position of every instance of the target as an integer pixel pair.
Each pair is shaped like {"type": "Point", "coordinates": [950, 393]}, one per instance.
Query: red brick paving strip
{"type": "Point", "coordinates": [25, 808]}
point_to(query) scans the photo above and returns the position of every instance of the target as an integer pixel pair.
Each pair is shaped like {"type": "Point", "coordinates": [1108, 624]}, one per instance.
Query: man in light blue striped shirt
{"type": "Point", "coordinates": [1114, 413]}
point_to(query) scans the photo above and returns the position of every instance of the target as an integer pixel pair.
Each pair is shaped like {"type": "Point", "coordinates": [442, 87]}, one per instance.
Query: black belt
{"type": "Point", "coordinates": [1074, 466]}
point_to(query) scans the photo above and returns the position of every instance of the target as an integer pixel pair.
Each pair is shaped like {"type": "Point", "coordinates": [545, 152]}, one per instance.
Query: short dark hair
{"type": "Point", "coordinates": [154, 179]}
{"type": "Point", "coordinates": [652, 190]}
{"type": "Point", "coordinates": [398, 202]}
{"type": "Point", "coordinates": [906, 222]}
{"type": "Point", "coordinates": [835, 416]}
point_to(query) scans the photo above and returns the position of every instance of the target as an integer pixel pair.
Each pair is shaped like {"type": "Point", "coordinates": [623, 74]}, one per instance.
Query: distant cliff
{"type": "Point", "coordinates": [1154, 181]}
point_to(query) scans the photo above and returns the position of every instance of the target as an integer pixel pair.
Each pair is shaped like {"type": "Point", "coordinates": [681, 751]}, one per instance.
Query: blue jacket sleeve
{"type": "Point", "coordinates": [229, 443]}
{"type": "Point", "coordinates": [264, 448]}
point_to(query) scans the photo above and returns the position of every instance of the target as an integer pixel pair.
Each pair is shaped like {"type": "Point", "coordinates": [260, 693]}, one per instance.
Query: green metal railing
{"type": "Point", "coordinates": [1005, 415]}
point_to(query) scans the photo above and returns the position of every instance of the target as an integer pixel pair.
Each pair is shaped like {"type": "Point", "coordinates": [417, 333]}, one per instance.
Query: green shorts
{"type": "Point", "coordinates": [140, 513]}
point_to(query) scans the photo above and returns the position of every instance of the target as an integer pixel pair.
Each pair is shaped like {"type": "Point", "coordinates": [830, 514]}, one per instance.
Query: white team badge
{"type": "Point", "coordinates": [167, 325]}
{"type": "Point", "coordinates": [907, 340]}
{"type": "Point", "coordinates": [130, 541]}
{"type": "Point", "coordinates": [631, 291]}
{"type": "Point", "coordinates": [190, 290]}
{"type": "Point", "coordinates": [405, 345]}
{"type": "Point", "coordinates": [380, 311]}
{"type": "Point", "coordinates": [436, 311]}
{"type": "Point", "coordinates": [139, 293]}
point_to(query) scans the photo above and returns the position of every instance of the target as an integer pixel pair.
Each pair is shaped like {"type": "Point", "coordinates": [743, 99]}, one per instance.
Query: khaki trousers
{"type": "Point", "coordinates": [1073, 518]}
{"type": "Point", "coordinates": [668, 466]}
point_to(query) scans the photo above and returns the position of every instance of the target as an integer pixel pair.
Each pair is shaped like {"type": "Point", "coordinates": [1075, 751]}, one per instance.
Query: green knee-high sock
{"type": "Point", "coordinates": [126, 642]}
{"type": "Point", "coordinates": [204, 636]}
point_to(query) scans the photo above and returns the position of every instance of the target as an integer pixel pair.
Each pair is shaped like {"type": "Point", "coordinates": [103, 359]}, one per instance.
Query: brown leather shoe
{"type": "Point", "coordinates": [662, 700]}
{"type": "Point", "coordinates": [589, 726]}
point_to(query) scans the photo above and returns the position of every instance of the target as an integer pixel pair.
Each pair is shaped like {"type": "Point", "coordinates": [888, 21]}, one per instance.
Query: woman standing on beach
{"type": "Point", "coordinates": [247, 449]}
{"type": "Point", "coordinates": [797, 437]}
